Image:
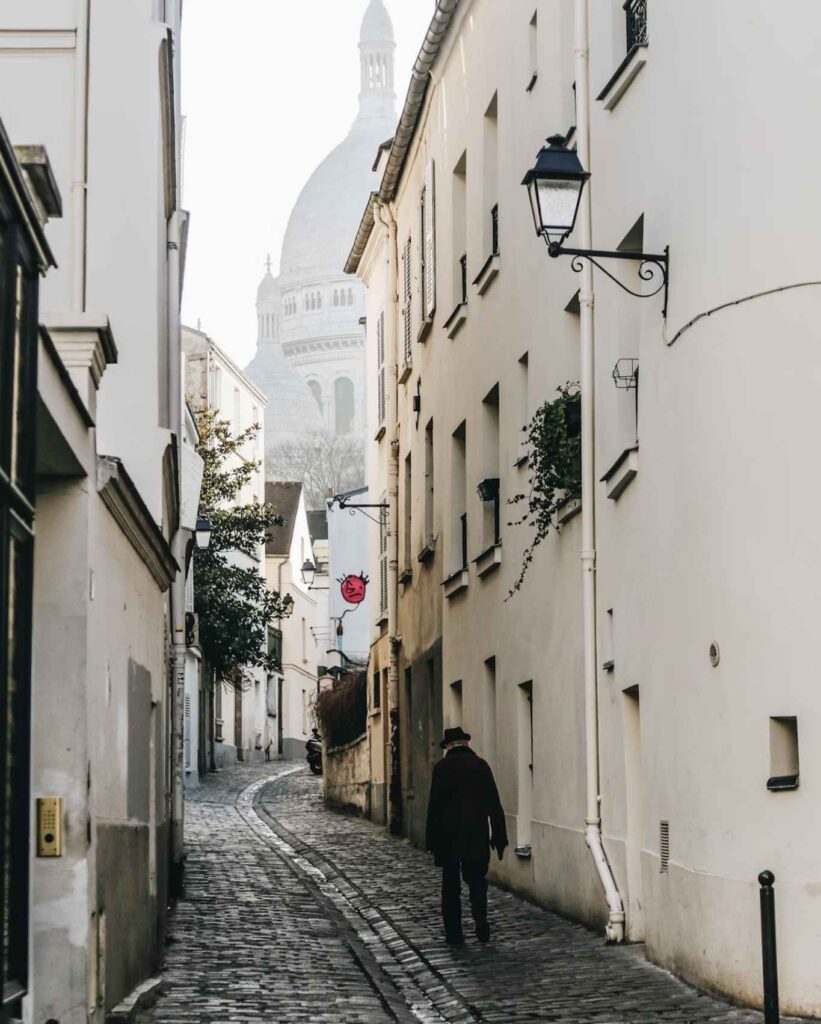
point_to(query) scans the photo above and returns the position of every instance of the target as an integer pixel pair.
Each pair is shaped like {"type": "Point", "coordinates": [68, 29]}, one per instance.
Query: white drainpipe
{"type": "Point", "coordinates": [80, 162]}
{"type": "Point", "coordinates": [593, 836]}
{"type": "Point", "coordinates": [392, 418]}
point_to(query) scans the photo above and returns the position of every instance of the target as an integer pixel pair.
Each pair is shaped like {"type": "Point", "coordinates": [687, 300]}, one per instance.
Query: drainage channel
{"type": "Point", "coordinates": [379, 949]}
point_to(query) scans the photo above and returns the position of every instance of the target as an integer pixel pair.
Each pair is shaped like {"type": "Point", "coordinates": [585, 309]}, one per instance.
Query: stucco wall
{"type": "Point", "coordinates": [346, 776]}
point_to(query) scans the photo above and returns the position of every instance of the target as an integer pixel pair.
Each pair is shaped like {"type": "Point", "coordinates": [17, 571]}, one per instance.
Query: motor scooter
{"type": "Point", "coordinates": [314, 755]}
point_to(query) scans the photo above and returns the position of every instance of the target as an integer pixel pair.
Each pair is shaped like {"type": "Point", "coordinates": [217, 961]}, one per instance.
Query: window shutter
{"type": "Point", "coordinates": [430, 241]}
{"type": "Point", "coordinates": [383, 559]}
{"type": "Point", "coordinates": [380, 382]}
{"type": "Point", "coordinates": [407, 309]}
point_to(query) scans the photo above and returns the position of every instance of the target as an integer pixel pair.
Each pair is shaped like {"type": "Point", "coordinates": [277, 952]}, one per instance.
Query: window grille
{"type": "Point", "coordinates": [636, 12]}
{"type": "Point", "coordinates": [463, 270]}
{"type": "Point", "coordinates": [494, 230]}
{"type": "Point", "coordinates": [664, 846]}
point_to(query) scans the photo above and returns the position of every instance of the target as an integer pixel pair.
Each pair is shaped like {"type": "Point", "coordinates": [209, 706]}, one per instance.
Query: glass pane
{"type": "Point", "coordinates": [558, 201]}
{"type": "Point", "coordinates": [22, 402]}
{"type": "Point", "coordinates": [15, 768]}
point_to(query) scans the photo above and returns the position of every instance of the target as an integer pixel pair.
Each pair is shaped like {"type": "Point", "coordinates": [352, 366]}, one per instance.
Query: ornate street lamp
{"type": "Point", "coordinates": [555, 186]}
{"type": "Point", "coordinates": [287, 606]}
{"type": "Point", "coordinates": [202, 533]}
{"type": "Point", "coordinates": [308, 573]}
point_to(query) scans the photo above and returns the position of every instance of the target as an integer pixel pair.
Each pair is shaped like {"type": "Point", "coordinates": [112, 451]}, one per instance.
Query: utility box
{"type": "Point", "coordinates": [50, 826]}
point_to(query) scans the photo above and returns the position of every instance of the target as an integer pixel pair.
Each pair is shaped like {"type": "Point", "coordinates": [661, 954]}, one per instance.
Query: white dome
{"type": "Point", "coordinates": [292, 411]}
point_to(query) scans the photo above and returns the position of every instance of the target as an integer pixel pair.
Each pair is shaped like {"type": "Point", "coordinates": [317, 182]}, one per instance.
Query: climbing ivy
{"type": "Point", "coordinates": [554, 450]}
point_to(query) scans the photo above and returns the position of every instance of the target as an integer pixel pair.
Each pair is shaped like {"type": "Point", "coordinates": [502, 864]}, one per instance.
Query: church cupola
{"type": "Point", "coordinates": [376, 55]}
{"type": "Point", "coordinates": [268, 308]}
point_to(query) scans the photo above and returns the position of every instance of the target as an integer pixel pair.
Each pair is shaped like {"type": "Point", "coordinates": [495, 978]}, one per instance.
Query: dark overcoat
{"type": "Point", "coordinates": [465, 816]}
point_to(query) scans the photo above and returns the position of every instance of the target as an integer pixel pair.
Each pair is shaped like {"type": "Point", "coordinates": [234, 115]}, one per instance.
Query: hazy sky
{"type": "Point", "coordinates": [269, 87]}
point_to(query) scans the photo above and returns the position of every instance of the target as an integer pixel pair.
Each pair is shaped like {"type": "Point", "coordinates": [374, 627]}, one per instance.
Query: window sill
{"type": "Point", "coordinates": [374, 712]}
{"type": "Point", "coordinates": [405, 576]}
{"type": "Point", "coordinates": [425, 329]}
{"type": "Point", "coordinates": [427, 552]}
{"type": "Point", "coordinates": [622, 473]}
{"type": "Point", "coordinates": [608, 666]}
{"type": "Point", "coordinates": [523, 852]}
{"type": "Point", "coordinates": [457, 320]}
{"type": "Point", "coordinates": [380, 433]}
{"type": "Point", "coordinates": [522, 463]}
{"type": "Point", "coordinates": [405, 372]}
{"type": "Point", "coordinates": [382, 622]}
{"type": "Point", "coordinates": [782, 783]}
{"type": "Point", "coordinates": [489, 559]}
{"type": "Point", "coordinates": [456, 583]}
{"type": "Point", "coordinates": [488, 274]}
{"type": "Point", "coordinates": [625, 73]}
{"type": "Point", "coordinates": [568, 510]}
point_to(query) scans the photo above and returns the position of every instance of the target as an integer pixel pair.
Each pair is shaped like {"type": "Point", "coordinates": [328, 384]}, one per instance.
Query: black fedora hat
{"type": "Point", "coordinates": [457, 735]}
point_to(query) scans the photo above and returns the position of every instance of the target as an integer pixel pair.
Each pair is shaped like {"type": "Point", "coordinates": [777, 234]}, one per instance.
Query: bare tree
{"type": "Point", "coordinates": [326, 464]}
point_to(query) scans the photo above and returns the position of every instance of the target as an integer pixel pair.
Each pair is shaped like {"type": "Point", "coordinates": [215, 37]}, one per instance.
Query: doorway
{"type": "Point", "coordinates": [634, 793]}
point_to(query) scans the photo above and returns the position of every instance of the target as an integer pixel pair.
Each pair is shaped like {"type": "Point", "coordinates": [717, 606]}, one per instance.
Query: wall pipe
{"type": "Point", "coordinates": [387, 218]}
{"type": "Point", "coordinates": [79, 182]}
{"type": "Point", "coordinates": [593, 835]}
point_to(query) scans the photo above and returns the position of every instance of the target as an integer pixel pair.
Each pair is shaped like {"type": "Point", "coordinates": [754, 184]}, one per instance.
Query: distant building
{"type": "Point", "coordinates": [310, 357]}
{"type": "Point", "coordinates": [234, 722]}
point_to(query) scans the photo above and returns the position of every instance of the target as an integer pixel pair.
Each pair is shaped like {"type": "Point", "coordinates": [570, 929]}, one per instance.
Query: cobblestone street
{"type": "Point", "coordinates": [296, 914]}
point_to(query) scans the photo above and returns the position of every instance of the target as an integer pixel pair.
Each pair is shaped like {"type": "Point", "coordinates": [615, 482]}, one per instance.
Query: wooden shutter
{"type": "Point", "coordinates": [380, 370]}
{"type": "Point", "coordinates": [429, 241]}
{"type": "Point", "coordinates": [383, 559]}
{"type": "Point", "coordinates": [407, 309]}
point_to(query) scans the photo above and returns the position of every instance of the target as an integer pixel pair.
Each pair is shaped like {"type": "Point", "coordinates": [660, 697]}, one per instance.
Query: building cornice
{"type": "Point", "coordinates": [123, 501]}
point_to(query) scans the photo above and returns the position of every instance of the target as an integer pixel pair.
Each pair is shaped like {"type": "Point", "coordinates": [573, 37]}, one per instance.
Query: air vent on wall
{"type": "Point", "coordinates": [664, 846]}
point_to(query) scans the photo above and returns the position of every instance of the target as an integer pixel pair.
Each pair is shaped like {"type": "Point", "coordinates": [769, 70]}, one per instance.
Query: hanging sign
{"type": "Point", "coordinates": [354, 588]}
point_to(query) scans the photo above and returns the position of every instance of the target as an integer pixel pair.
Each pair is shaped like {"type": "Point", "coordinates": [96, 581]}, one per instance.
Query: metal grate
{"type": "Point", "coordinates": [636, 11]}
{"type": "Point", "coordinates": [664, 846]}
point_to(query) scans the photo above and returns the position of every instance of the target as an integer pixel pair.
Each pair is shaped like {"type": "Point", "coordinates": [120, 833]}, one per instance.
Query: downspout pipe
{"type": "Point", "coordinates": [79, 182]}
{"type": "Point", "coordinates": [387, 218]}
{"type": "Point", "coordinates": [593, 834]}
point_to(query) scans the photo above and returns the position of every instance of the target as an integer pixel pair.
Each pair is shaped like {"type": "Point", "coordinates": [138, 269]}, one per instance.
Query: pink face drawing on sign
{"type": "Point", "coordinates": [354, 588]}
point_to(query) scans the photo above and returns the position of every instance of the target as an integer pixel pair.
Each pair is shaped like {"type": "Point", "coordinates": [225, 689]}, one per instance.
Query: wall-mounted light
{"type": "Point", "coordinates": [202, 533]}
{"type": "Point", "coordinates": [555, 185]}
{"type": "Point", "coordinates": [287, 606]}
{"type": "Point", "coordinates": [308, 572]}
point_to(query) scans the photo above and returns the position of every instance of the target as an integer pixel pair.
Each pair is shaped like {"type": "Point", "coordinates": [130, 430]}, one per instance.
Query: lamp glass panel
{"type": "Point", "coordinates": [558, 201]}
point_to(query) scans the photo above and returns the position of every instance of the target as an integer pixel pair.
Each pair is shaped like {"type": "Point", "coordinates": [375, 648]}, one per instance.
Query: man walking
{"type": "Point", "coordinates": [463, 800]}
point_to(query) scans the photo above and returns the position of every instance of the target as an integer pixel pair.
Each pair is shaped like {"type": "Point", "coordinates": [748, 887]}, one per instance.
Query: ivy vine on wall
{"type": "Point", "coordinates": [553, 441]}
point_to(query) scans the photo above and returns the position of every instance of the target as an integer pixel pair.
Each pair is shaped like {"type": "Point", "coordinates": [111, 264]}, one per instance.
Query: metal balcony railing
{"type": "Point", "coordinates": [636, 12]}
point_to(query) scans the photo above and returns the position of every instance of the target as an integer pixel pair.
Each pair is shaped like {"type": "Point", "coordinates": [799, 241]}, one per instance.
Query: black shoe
{"type": "Point", "coordinates": [483, 931]}
{"type": "Point", "coordinates": [455, 940]}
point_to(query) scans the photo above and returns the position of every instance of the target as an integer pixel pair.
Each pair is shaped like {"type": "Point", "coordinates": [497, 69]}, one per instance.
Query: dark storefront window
{"type": "Point", "coordinates": [18, 348]}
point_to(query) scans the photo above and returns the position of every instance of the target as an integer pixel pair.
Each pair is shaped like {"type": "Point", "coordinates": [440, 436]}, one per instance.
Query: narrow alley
{"type": "Point", "coordinates": [294, 913]}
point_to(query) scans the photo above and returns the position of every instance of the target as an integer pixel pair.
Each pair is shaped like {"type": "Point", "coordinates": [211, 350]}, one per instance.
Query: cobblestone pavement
{"type": "Point", "coordinates": [294, 913]}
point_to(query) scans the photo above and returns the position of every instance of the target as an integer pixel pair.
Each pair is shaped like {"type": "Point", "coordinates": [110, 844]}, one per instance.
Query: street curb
{"type": "Point", "coordinates": [143, 996]}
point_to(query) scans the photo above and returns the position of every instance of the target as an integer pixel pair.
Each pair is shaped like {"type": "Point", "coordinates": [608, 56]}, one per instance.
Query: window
{"type": "Point", "coordinates": [429, 483]}
{"type": "Point", "coordinates": [336, 296]}
{"type": "Point", "coordinates": [456, 707]}
{"type": "Point", "coordinates": [407, 306]}
{"type": "Point", "coordinates": [383, 562]}
{"type": "Point", "coordinates": [427, 224]}
{"type": "Point", "coordinates": [304, 638]}
{"type": "Point", "coordinates": [783, 754]}
{"type": "Point", "coordinates": [525, 743]}
{"type": "Point", "coordinates": [490, 179]}
{"type": "Point", "coordinates": [408, 508]}
{"type": "Point", "coordinates": [524, 406]}
{"type": "Point", "coordinates": [237, 411]}
{"type": "Point", "coordinates": [636, 23]}
{"type": "Point", "coordinates": [533, 46]}
{"type": "Point", "coordinates": [215, 387]}
{"type": "Point", "coordinates": [316, 390]}
{"type": "Point", "coordinates": [458, 500]}
{"type": "Point", "coordinates": [376, 693]}
{"type": "Point", "coordinates": [381, 395]}
{"type": "Point", "coordinates": [459, 208]}
{"type": "Point", "coordinates": [491, 504]}
{"type": "Point", "coordinates": [489, 713]}
{"type": "Point", "coordinates": [344, 409]}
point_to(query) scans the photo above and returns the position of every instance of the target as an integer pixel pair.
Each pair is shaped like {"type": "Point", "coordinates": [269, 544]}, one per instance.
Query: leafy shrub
{"type": "Point", "coordinates": [343, 711]}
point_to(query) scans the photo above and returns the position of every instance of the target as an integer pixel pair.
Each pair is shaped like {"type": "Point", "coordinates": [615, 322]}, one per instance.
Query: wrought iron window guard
{"type": "Point", "coordinates": [636, 12]}
{"type": "Point", "coordinates": [653, 267]}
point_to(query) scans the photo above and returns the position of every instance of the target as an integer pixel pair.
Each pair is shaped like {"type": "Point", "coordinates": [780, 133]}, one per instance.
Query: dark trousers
{"type": "Point", "coordinates": [474, 873]}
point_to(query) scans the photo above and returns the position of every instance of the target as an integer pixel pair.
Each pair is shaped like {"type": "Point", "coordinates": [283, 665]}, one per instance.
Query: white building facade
{"type": "Point", "coordinates": [705, 594]}
{"type": "Point", "coordinates": [233, 720]}
{"type": "Point", "coordinates": [99, 88]}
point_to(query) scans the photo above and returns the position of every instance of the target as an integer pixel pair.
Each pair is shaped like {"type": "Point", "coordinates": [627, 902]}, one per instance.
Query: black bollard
{"type": "Point", "coordinates": [768, 953]}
